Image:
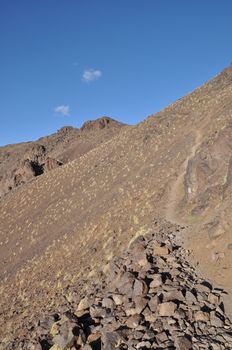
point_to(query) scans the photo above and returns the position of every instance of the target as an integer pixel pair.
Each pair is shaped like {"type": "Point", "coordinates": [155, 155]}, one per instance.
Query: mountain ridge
{"type": "Point", "coordinates": [21, 162]}
{"type": "Point", "coordinates": [70, 222]}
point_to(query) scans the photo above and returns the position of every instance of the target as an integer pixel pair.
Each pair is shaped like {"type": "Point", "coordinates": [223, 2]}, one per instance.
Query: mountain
{"type": "Point", "coordinates": [21, 162]}
{"type": "Point", "coordinates": [63, 228]}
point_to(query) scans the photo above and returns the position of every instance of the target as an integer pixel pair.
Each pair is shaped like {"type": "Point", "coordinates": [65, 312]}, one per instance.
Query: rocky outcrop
{"type": "Point", "coordinates": [33, 162]}
{"type": "Point", "coordinates": [100, 123]}
{"type": "Point", "coordinates": [208, 176]}
{"type": "Point", "coordinates": [151, 298]}
{"type": "Point", "coordinates": [22, 162]}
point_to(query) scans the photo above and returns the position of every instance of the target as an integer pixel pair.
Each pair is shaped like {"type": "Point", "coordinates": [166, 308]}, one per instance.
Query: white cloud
{"type": "Point", "coordinates": [63, 109]}
{"type": "Point", "coordinates": [91, 75]}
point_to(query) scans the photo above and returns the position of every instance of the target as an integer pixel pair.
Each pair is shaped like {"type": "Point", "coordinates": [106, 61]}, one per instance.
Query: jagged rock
{"type": "Point", "coordinates": [173, 295]}
{"type": "Point", "coordinates": [167, 309]}
{"type": "Point", "coordinates": [161, 337]}
{"type": "Point", "coordinates": [139, 288]}
{"type": "Point", "coordinates": [145, 309]}
{"type": "Point", "coordinates": [160, 250]}
{"type": "Point", "coordinates": [140, 304]}
{"type": "Point", "coordinates": [108, 303]}
{"type": "Point", "coordinates": [183, 343]}
{"type": "Point", "coordinates": [149, 315]}
{"type": "Point", "coordinates": [118, 299]}
{"type": "Point", "coordinates": [83, 304]}
{"type": "Point", "coordinates": [215, 319]}
{"type": "Point", "coordinates": [133, 321]}
{"type": "Point", "coordinates": [110, 340]}
{"type": "Point", "coordinates": [125, 284]}
{"type": "Point", "coordinates": [203, 287]}
{"type": "Point", "coordinates": [143, 345]}
{"type": "Point", "coordinates": [68, 333]}
{"type": "Point", "coordinates": [201, 316]}
{"type": "Point", "coordinates": [190, 297]}
{"type": "Point", "coordinates": [213, 299]}
{"type": "Point", "coordinates": [153, 303]}
{"type": "Point", "coordinates": [92, 338]}
{"type": "Point", "coordinates": [157, 281]}
{"type": "Point", "coordinates": [97, 311]}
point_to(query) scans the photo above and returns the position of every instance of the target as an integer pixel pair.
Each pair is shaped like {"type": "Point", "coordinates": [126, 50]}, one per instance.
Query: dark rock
{"type": "Point", "coordinates": [183, 343]}
{"type": "Point", "coordinates": [110, 340]}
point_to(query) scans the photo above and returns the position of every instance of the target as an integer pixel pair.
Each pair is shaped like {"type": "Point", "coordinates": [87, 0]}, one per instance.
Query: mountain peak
{"type": "Point", "coordinates": [101, 123]}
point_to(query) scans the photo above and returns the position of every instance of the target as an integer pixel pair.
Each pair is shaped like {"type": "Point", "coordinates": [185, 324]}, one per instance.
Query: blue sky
{"type": "Point", "coordinates": [63, 62]}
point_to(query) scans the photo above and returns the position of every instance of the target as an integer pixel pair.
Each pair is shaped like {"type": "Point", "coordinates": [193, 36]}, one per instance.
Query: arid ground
{"type": "Point", "coordinates": [72, 201]}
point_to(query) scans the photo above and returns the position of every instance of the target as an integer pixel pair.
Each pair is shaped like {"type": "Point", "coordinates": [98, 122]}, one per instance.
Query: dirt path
{"type": "Point", "coordinates": [175, 194]}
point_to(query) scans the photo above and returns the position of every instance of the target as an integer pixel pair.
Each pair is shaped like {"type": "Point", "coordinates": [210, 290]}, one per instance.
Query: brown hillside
{"type": "Point", "coordinates": [21, 162]}
{"type": "Point", "coordinates": [60, 229]}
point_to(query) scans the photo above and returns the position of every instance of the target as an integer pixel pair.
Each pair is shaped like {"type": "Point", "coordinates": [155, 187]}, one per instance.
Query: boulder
{"type": "Point", "coordinates": [167, 309]}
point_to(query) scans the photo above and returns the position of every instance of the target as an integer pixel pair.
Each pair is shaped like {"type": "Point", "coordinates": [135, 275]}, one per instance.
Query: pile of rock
{"type": "Point", "coordinates": [151, 298]}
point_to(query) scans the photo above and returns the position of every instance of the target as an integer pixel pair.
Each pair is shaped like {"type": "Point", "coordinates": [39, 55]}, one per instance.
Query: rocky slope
{"type": "Point", "coordinates": [149, 298]}
{"type": "Point", "coordinates": [62, 228]}
{"type": "Point", "coordinates": [21, 162]}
